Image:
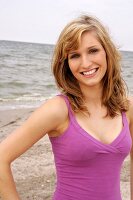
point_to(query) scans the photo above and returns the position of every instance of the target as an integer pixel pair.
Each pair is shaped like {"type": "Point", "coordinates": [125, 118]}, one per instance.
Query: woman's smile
{"type": "Point", "coordinates": [90, 73]}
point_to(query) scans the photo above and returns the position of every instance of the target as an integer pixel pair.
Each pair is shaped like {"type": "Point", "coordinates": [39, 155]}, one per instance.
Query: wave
{"type": "Point", "coordinates": [25, 101]}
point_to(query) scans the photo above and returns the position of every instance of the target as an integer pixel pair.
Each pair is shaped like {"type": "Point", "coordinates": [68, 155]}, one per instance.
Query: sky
{"type": "Point", "coordinates": [41, 21]}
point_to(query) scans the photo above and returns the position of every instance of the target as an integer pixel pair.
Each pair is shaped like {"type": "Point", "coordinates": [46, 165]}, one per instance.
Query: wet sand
{"type": "Point", "coordinates": [34, 171]}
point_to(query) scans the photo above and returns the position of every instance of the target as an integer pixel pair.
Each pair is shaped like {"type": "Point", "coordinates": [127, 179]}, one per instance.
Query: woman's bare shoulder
{"type": "Point", "coordinates": [57, 107]}
{"type": "Point", "coordinates": [130, 98]}
{"type": "Point", "coordinates": [130, 111]}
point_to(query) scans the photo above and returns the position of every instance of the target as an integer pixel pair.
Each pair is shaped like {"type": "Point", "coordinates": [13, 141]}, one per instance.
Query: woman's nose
{"type": "Point", "coordinates": [86, 61]}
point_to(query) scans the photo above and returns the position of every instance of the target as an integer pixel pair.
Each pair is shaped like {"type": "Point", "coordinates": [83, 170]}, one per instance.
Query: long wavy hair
{"type": "Point", "coordinates": [114, 95]}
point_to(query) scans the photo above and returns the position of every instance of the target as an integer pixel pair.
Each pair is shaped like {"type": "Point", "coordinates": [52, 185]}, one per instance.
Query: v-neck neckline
{"type": "Point", "coordinates": [88, 135]}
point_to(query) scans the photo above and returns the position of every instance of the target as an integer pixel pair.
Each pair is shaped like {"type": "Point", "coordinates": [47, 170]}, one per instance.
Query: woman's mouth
{"type": "Point", "coordinates": [90, 72]}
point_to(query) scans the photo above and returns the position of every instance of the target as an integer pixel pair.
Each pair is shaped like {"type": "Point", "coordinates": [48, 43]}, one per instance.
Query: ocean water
{"type": "Point", "coordinates": [25, 74]}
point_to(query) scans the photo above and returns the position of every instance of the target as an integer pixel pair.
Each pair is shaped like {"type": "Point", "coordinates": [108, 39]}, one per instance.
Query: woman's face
{"type": "Point", "coordinates": [88, 63]}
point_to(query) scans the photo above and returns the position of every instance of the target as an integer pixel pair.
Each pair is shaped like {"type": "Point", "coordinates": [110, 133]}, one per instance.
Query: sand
{"type": "Point", "coordinates": [34, 171]}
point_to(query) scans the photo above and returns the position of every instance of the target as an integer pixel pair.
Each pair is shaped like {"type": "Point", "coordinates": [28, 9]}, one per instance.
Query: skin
{"type": "Point", "coordinates": [52, 116]}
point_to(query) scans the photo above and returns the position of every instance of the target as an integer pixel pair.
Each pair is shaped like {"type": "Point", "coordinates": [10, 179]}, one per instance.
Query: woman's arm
{"type": "Point", "coordinates": [45, 119]}
{"type": "Point", "coordinates": [131, 153]}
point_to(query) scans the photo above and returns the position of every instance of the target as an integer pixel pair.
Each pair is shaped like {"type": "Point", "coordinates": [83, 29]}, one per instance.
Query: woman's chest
{"type": "Point", "coordinates": [103, 129]}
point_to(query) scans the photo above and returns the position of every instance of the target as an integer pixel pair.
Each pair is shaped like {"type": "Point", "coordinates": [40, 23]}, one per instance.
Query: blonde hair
{"type": "Point", "coordinates": [114, 90]}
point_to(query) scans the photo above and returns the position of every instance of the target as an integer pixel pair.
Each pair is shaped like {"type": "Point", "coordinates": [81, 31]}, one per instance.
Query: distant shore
{"type": "Point", "coordinates": [34, 171]}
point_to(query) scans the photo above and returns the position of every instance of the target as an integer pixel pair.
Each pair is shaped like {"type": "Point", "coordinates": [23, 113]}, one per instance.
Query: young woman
{"type": "Point", "coordinates": [90, 124]}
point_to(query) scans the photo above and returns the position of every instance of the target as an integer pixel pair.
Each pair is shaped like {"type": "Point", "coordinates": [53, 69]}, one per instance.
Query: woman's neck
{"type": "Point", "coordinates": [93, 100]}
{"type": "Point", "coordinates": [92, 95]}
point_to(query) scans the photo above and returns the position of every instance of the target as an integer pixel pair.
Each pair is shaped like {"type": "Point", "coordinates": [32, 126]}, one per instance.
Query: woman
{"type": "Point", "coordinates": [90, 124]}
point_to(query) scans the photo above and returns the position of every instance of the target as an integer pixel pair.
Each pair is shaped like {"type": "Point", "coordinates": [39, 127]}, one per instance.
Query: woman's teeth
{"type": "Point", "coordinates": [89, 72]}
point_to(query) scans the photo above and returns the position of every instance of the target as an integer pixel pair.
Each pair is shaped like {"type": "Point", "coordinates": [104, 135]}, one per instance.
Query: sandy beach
{"type": "Point", "coordinates": [34, 171]}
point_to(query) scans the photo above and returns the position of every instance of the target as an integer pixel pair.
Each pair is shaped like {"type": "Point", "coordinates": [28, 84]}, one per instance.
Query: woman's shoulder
{"type": "Point", "coordinates": [58, 101]}
{"type": "Point", "coordinates": [130, 98]}
{"type": "Point", "coordinates": [130, 111]}
{"type": "Point", "coordinates": [57, 106]}
{"type": "Point", "coordinates": [50, 115]}
{"type": "Point", "coordinates": [58, 111]}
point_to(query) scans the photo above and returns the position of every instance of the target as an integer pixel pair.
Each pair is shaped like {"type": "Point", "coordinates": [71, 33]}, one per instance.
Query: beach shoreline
{"type": "Point", "coordinates": [34, 171]}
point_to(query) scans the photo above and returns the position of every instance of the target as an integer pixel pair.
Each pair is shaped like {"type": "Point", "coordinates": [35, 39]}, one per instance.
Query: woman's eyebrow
{"type": "Point", "coordinates": [76, 51]}
{"type": "Point", "coordinates": [73, 52]}
{"type": "Point", "coordinates": [94, 46]}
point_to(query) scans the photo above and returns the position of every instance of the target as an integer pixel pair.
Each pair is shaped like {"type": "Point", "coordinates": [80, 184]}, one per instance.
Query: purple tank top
{"type": "Point", "coordinates": [86, 168]}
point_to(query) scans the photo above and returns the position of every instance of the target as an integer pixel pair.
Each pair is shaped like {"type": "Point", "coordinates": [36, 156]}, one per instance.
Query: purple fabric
{"type": "Point", "coordinates": [86, 168]}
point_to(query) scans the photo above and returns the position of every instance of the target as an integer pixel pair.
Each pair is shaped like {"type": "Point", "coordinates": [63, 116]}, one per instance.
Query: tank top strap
{"type": "Point", "coordinates": [70, 112]}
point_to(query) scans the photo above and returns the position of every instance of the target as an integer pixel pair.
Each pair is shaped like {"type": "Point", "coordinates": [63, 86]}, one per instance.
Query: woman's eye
{"type": "Point", "coordinates": [93, 50]}
{"type": "Point", "coordinates": [74, 56]}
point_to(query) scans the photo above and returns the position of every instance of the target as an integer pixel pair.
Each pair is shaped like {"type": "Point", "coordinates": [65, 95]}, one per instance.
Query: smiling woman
{"type": "Point", "coordinates": [90, 124]}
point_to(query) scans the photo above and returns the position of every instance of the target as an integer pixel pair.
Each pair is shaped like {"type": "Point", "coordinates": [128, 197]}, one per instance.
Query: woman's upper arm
{"type": "Point", "coordinates": [46, 118]}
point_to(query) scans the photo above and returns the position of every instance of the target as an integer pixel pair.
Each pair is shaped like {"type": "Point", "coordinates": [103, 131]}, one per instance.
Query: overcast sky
{"type": "Point", "coordinates": [42, 20]}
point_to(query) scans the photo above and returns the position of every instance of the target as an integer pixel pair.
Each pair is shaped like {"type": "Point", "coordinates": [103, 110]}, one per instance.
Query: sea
{"type": "Point", "coordinates": [26, 79]}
